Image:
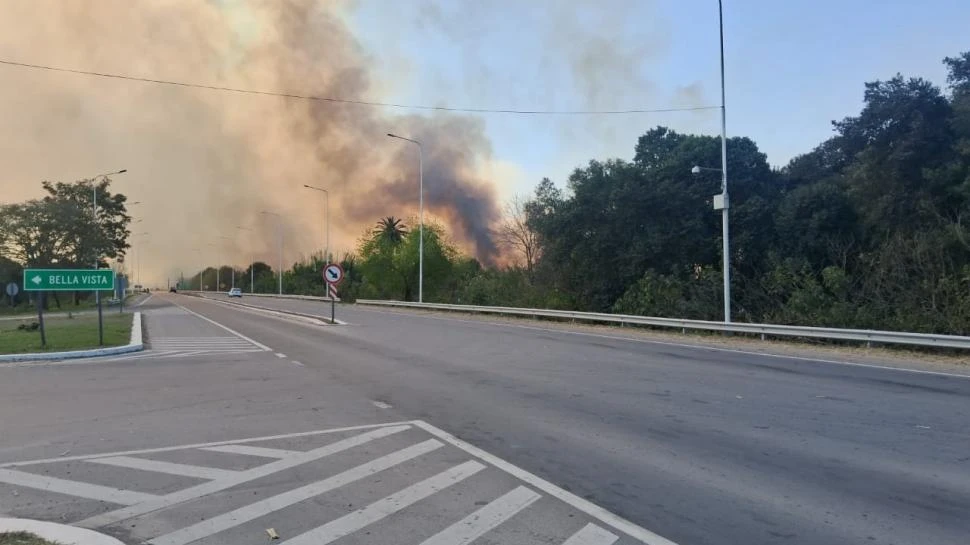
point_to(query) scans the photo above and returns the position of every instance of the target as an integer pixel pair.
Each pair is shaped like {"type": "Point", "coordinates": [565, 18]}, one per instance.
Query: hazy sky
{"type": "Point", "coordinates": [204, 162]}
{"type": "Point", "coordinates": [792, 66]}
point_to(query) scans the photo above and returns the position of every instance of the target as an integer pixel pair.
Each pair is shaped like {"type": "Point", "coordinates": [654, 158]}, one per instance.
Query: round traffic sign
{"type": "Point", "coordinates": [12, 289]}
{"type": "Point", "coordinates": [333, 273]}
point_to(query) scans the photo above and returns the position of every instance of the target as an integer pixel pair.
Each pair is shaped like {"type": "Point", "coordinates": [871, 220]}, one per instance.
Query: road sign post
{"type": "Point", "coordinates": [70, 280]}
{"type": "Point", "coordinates": [40, 319]}
{"type": "Point", "coordinates": [333, 274]}
{"type": "Point", "coordinates": [12, 290]}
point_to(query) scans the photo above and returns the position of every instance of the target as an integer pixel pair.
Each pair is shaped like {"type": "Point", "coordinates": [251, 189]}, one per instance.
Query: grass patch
{"type": "Point", "coordinates": [23, 538]}
{"type": "Point", "coordinates": [63, 333]}
{"type": "Point", "coordinates": [67, 305]}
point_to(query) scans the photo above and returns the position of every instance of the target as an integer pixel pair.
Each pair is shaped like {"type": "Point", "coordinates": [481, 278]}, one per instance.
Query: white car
{"type": "Point", "coordinates": [235, 292]}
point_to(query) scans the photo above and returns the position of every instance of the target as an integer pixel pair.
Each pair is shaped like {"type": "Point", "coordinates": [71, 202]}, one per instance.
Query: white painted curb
{"type": "Point", "coordinates": [134, 345]}
{"type": "Point", "coordinates": [58, 533]}
{"type": "Point", "coordinates": [317, 317]}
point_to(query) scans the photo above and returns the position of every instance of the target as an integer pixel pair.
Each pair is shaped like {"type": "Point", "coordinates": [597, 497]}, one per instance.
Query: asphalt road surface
{"type": "Point", "coordinates": [414, 428]}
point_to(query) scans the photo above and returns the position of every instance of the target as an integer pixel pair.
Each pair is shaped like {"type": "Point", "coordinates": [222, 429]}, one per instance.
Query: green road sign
{"type": "Point", "coordinates": [68, 279]}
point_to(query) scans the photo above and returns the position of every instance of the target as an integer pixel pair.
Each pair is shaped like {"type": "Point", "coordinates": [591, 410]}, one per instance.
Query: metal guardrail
{"type": "Point", "coordinates": [829, 333]}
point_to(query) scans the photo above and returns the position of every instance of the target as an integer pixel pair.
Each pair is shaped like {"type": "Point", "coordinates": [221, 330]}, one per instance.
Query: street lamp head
{"type": "Point", "coordinates": [122, 171]}
{"type": "Point", "coordinates": [695, 170]}
{"type": "Point", "coordinates": [392, 135]}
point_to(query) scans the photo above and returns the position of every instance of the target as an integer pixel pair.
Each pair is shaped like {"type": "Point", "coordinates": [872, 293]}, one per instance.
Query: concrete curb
{"type": "Point", "coordinates": [58, 533]}
{"type": "Point", "coordinates": [134, 345]}
{"type": "Point", "coordinates": [319, 318]}
{"type": "Point", "coordinates": [325, 320]}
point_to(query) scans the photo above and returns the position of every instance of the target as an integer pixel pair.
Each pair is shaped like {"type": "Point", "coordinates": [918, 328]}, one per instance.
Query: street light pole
{"type": "Point", "coordinates": [138, 250]}
{"type": "Point", "coordinates": [218, 283]}
{"type": "Point", "coordinates": [326, 254]}
{"type": "Point", "coordinates": [232, 269]}
{"type": "Point", "coordinates": [421, 212]}
{"type": "Point", "coordinates": [202, 269]}
{"type": "Point", "coordinates": [725, 229]}
{"type": "Point", "coordinates": [252, 263]}
{"type": "Point", "coordinates": [279, 226]}
{"type": "Point", "coordinates": [97, 224]}
{"type": "Point", "coordinates": [721, 202]}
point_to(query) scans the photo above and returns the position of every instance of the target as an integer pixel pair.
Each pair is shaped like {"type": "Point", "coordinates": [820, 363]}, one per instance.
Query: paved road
{"type": "Point", "coordinates": [697, 445]}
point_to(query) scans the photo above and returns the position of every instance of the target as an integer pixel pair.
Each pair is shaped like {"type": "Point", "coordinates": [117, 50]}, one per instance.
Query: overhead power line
{"type": "Point", "coordinates": [352, 101]}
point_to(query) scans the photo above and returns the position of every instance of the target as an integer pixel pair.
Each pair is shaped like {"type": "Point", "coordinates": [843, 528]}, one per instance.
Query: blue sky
{"type": "Point", "coordinates": [792, 66]}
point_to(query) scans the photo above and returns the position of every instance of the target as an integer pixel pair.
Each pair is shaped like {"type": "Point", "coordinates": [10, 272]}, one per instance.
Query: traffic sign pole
{"type": "Point", "coordinates": [100, 320]}
{"type": "Point", "coordinates": [333, 274]}
{"type": "Point", "coordinates": [40, 319]}
{"type": "Point", "coordinates": [44, 280]}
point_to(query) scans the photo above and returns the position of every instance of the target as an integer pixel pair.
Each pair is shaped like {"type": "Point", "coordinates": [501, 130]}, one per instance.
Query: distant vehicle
{"type": "Point", "coordinates": [235, 292]}
{"type": "Point", "coordinates": [172, 290]}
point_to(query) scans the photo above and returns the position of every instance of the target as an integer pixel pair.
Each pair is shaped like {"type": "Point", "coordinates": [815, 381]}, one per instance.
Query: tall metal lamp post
{"type": "Point", "coordinates": [421, 213]}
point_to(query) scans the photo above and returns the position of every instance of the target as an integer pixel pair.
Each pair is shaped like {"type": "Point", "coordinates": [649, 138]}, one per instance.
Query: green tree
{"type": "Point", "coordinates": [390, 230]}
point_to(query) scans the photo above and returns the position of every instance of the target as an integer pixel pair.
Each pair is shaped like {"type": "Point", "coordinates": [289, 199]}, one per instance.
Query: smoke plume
{"type": "Point", "coordinates": [204, 162]}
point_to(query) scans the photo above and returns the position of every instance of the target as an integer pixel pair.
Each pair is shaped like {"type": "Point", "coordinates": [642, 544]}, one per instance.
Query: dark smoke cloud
{"type": "Point", "coordinates": [205, 162]}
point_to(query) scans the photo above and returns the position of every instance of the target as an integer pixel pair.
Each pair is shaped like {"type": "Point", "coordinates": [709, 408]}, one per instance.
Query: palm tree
{"type": "Point", "coordinates": [390, 229]}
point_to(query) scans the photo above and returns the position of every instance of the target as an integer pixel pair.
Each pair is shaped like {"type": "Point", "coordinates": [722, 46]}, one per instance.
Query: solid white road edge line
{"type": "Point", "coordinates": [227, 328]}
{"type": "Point", "coordinates": [591, 534]}
{"type": "Point", "coordinates": [679, 345]}
{"type": "Point", "coordinates": [573, 500]}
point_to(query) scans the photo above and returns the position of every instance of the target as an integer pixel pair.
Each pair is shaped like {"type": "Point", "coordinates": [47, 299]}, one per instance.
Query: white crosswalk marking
{"type": "Point", "coordinates": [212, 344]}
{"type": "Point", "coordinates": [253, 451]}
{"type": "Point", "coordinates": [591, 534]}
{"type": "Point", "coordinates": [241, 477]}
{"type": "Point", "coordinates": [143, 464]}
{"type": "Point", "coordinates": [350, 523]}
{"type": "Point", "coordinates": [303, 480]}
{"type": "Point", "coordinates": [275, 503]}
{"type": "Point", "coordinates": [481, 521]}
{"type": "Point", "coordinates": [74, 488]}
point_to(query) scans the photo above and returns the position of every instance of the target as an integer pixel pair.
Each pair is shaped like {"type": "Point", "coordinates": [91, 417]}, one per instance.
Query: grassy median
{"type": "Point", "coordinates": [23, 538]}
{"type": "Point", "coordinates": [77, 333]}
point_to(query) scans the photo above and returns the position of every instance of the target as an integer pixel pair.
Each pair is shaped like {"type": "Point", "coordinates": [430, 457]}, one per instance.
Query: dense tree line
{"type": "Point", "coordinates": [867, 230]}
{"type": "Point", "coordinates": [62, 230]}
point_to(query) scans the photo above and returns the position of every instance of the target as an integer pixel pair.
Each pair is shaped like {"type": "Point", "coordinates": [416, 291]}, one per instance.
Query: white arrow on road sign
{"type": "Point", "coordinates": [37, 279]}
{"type": "Point", "coordinates": [333, 273]}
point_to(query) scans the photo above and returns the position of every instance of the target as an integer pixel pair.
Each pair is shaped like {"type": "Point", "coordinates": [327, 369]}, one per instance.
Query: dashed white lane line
{"type": "Point", "coordinates": [74, 488]}
{"type": "Point", "coordinates": [381, 404]}
{"type": "Point", "coordinates": [298, 363]}
{"type": "Point", "coordinates": [350, 523]}
{"type": "Point", "coordinates": [591, 534]}
{"type": "Point", "coordinates": [280, 355]}
{"type": "Point", "coordinates": [280, 501]}
{"type": "Point", "coordinates": [481, 521]}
